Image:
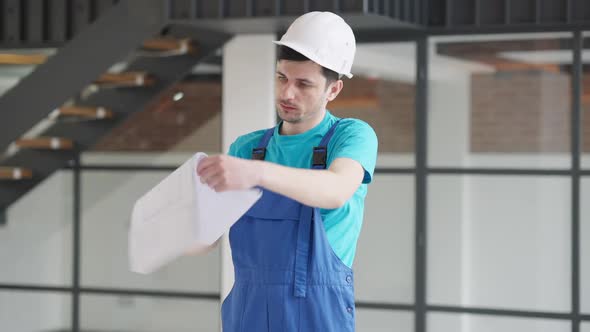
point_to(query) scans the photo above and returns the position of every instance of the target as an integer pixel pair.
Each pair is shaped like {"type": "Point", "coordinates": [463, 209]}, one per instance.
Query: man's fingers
{"type": "Point", "coordinates": [211, 176]}
{"type": "Point", "coordinates": [216, 182]}
{"type": "Point", "coordinates": [203, 164]}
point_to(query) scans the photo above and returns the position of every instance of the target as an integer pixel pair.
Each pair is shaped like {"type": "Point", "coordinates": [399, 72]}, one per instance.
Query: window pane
{"type": "Point", "coordinates": [500, 100]}
{"type": "Point", "coordinates": [500, 241]}
{"type": "Point", "coordinates": [388, 227]}
{"type": "Point", "coordinates": [36, 242]}
{"type": "Point", "coordinates": [107, 202]}
{"type": "Point", "coordinates": [585, 245]}
{"type": "Point", "coordinates": [147, 314]}
{"type": "Point", "coordinates": [382, 93]}
{"type": "Point", "coordinates": [373, 320]}
{"type": "Point", "coordinates": [22, 311]}
{"type": "Point", "coordinates": [443, 322]}
{"type": "Point", "coordinates": [585, 327]}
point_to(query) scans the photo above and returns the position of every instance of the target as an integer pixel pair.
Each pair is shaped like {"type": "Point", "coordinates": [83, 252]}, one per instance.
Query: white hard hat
{"type": "Point", "coordinates": [324, 38]}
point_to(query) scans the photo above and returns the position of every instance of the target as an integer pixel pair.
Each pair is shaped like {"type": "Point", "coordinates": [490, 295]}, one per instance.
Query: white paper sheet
{"type": "Point", "coordinates": [180, 214]}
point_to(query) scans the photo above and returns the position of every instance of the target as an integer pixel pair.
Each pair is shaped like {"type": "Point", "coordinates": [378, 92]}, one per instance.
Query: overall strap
{"type": "Point", "coordinates": [306, 217]}
{"type": "Point", "coordinates": [320, 153]}
{"type": "Point", "coordinates": [259, 152]}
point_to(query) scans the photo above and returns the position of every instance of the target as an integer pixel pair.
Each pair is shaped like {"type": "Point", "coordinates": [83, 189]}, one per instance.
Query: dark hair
{"type": "Point", "coordinates": [286, 53]}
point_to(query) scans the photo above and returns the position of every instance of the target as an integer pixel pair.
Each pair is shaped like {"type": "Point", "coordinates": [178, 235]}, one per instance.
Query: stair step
{"type": "Point", "coordinates": [45, 143]}
{"type": "Point", "coordinates": [170, 46]}
{"type": "Point", "coordinates": [22, 59]}
{"type": "Point", "coordinates": [15, 173]}
{"type": "Point", "coordinates": [92, 113]}
{"type": "Point", "coordinates": [126, 79]}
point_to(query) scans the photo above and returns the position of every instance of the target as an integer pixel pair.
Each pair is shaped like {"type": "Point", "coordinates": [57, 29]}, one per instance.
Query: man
{"type": "Point", "coordinates": [293, 250]}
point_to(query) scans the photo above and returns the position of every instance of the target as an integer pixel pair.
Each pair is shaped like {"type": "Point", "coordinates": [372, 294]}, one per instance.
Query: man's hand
{"type": "Point", "coordinates": [224, 172]}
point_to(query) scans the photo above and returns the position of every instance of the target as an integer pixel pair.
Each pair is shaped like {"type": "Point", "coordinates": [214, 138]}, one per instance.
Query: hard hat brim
{"type": "Point", "coordinates": [305, 52]}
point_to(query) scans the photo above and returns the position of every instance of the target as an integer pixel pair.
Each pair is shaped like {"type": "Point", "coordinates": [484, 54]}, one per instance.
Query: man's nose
{"type": "Point", "coordinates": [287, 92]}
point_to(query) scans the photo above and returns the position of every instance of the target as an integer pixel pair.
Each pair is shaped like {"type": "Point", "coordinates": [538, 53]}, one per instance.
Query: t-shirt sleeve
{"type": "Point", "coordinates": [233, 150]}
{"type": "Point", "coordinates": [355, 139]}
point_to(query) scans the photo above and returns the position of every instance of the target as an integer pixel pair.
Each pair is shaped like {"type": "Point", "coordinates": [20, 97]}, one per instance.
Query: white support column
{"type": "Point", "coordinates": [248, 105]}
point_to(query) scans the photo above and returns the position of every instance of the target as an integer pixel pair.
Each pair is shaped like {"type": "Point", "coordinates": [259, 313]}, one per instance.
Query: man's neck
{"type": "Point", "coordinates": [288, 128]}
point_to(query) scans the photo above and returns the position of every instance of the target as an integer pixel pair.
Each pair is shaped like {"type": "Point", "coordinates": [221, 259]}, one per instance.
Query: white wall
{"type": "Point", "coordinates": [248, 105]}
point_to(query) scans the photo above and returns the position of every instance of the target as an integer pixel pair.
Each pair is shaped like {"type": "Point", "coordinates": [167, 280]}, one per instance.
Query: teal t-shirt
{"type": "Point", "coordinates": [352, 139]}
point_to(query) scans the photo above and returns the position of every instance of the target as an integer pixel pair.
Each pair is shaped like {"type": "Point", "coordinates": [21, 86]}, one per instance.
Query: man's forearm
{"type": "Point", "coordinates": [328, 189]}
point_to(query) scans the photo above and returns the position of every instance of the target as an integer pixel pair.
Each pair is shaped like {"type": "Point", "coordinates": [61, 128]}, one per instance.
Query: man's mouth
{"type": "Point", "coordinates": [287, 107]}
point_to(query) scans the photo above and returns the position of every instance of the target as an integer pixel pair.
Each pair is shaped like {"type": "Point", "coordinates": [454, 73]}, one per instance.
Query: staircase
{"type": "Point", "coordinates": [54, 114]}
{"type": "Point", "coordinates": [77, 95]}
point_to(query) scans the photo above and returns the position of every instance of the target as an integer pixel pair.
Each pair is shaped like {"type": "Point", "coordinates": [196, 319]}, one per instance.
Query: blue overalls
{"type": "Point", "coordinates": [287, 278]}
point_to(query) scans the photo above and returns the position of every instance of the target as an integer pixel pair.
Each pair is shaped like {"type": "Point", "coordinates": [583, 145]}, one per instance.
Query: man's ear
{"type": "Point", "coordinates": [334, 89]}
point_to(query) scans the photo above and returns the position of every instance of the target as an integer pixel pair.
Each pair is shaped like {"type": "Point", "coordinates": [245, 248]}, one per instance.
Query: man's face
{"type": "Point", "coordinates": [301, 91]}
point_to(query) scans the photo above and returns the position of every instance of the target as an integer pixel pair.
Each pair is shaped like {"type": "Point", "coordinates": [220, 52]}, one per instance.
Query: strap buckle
{"type": "Point", "coordinates": [320, 154]}
{"type": "Point", "coordinates": [258, 153]}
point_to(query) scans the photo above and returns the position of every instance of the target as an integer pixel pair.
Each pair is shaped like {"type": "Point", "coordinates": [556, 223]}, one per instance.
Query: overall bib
{"type": "Point", "coordinates": [287, 278]}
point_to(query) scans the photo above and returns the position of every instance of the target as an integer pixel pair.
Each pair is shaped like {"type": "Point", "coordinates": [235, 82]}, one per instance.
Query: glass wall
{"type": "Point", "coordinates": [499, 182]}
{"type": "Point", "coordinates": [147, 314]}
{"type": "Point", "coordinates": [440, 322]}
{"type": "Point", "coordinates": [382, 93]}
{"type": "Point", "coordinates": [585, 91]}
{"type": "Point", "coordinates": [28, 311]}
{"type": "Point", "coordinates": [107, 200]}
{"type": "Point", "coordinates": [376, 320]}
{"type": "Point", "coordinates": [500, 242]}
{"type": "Point", "coordinates": [36, 240]}
{"type": "Point", "coordinates": [496, 238]}
{"type": "Point", "coordinates": [585, 246]}
{"type": "Point", "coordinates": [387, 228]}
{"type": "Point", "coordinates": [500, 101]}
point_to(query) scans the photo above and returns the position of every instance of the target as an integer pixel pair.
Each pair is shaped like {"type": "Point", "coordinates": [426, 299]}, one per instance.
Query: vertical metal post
{"type": "Point", "coordinates": [449, 13]}
{"type": "Point", "coordinates": [193, 8]}
{"type": "Point", "coordinates": [223, 8]}
{"type": "Point", "coordinates": [477, 13]}
{"type": "Point", "coordinates": [57, 20]}
{"type": "Point", "coordinates": [337, 6]}
{"type": "Point", "coordinates": [76, 245]}
{"type": "Point", "coordinates": [425, 13]}
{"type": "Point", "coordinates": [251, 7]}
{"type": "Point", "coordinates": [278, 7]}
{"type": "Point", "coordinates": [576, 124]}
{"type": "Point", "coordinates": [507, 11]}
{"type": "Point", "coordinates": [33, 21]}
{"type": "Point", "coordinates": [12, 21]}
{"type": "Point", "coordinates": [421, 181]}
